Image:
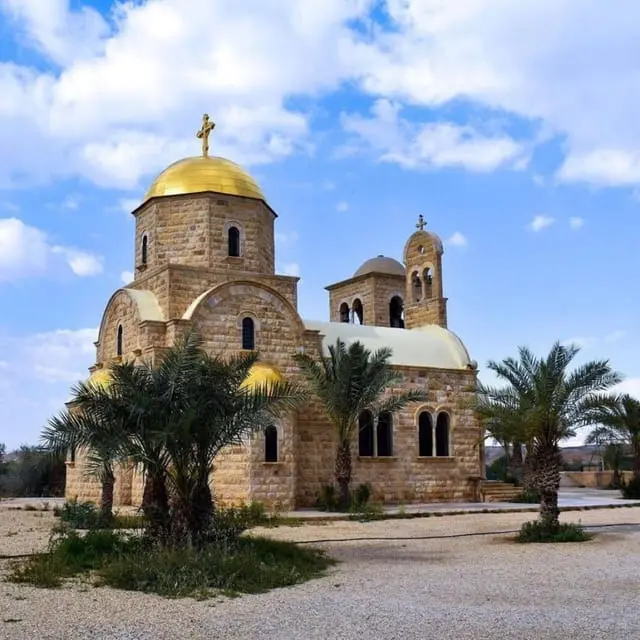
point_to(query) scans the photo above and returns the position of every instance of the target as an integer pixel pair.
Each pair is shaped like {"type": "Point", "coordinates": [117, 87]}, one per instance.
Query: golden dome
{"type": "Point", "coordinates": [100, 378]}
{"type": "Point", "coordinates": [204, 173]}
{"type": "Point", "coordinates": [260, 375]}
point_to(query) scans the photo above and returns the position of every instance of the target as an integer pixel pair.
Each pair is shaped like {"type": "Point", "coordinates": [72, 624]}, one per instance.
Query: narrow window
{"type": "Point", "coordinates": [144, 251]}
{"type": "Point", "coordinates": [234, 242]}
{"type": "Point", "coordinates": [271, 444]}
{"type": "Point", "coordinates": [396, 313]}
{"type": "Point", "coordinates": [344, 312]}
{"type": "Point", "coordinates": [416, 287]}
{"type": "Point", "coordinates": [425, 434]}
{"type": "Point", "coordinates": [358, 312]}
{"type": "Point", "coordinates": [365, 434]}
{"type": "Point", "coordinates": [442, 434]}
{"type": "Point", "coordinates": [384, 435]}
{"type": "Point", "coordinates": [119, 341]}
{"type": "Point", "coordinates": [248, 334]}
{"type": "Point", "coordinates": [428, 284]}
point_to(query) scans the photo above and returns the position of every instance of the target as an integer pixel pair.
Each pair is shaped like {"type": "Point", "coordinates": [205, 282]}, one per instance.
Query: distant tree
{"type": "Point", "coordinates": [33, 473]}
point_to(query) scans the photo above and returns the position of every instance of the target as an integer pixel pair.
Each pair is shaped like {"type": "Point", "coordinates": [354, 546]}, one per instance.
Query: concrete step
{"type": "Point", "coordinates": [494, 491]}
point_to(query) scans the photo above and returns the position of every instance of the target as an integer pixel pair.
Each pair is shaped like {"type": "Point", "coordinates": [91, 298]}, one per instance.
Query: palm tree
{"type": "Point", "coordinates": [347, 382]}
{"type": "Point", "coordinates": [211, 408]}
{"type": "Point", "coordinates": [76, 429]}
{"type": "Point", "coordinates": [618, 420]}
{"type": "Point", "coordinates": [549, 403]}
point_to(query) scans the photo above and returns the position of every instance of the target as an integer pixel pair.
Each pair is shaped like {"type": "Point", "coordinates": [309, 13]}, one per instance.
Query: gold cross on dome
{"type": "Point", "coordinates": [207, 127]}
{"type": "Point", "coordinates": [421, 223]}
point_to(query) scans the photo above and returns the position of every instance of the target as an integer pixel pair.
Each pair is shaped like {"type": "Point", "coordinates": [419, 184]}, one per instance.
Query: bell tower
{"type": "Point", "coordinates": [424, 301]}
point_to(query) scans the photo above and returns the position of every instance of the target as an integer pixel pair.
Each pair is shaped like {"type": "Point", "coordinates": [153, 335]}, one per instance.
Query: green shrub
{"type": "Point", "coordinates": [537, 531]}
{"type": "Point", "coordinates": [631, 490]}
{"type": "Point", "coordinates": [361, 495]}
{"type": "Point", "coordinates": [79, 515]}
{"type": "Point", "coordinates": [249, 565]}
{"type": "Point", "coordinates": [328, 499]}
{"type": "Point", "coordinates": [530, 496]}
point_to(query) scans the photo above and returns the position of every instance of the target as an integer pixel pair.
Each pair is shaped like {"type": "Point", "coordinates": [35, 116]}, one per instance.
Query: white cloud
{"type": "Point", "coordinates": [559, 64]}
{"type": "Point", "coordinates": [328, 185]}
{"type": "Point", "coordinates": [458, 240]}
{"type": "Point", "coordinates": [576, 222]}
{"type": "Point", "coordinates": [541, 222]}
{"type": "Point", "coordinates": [80, 262]}
{"type": "Point", "coordinates": [25, 251]}
{"type": "Point", "coordinates": [538, 180]}
{"type": "Point", "coordinates": [342, 206]}
{"type": "Point", "coordinates": [616, 336]}
{"type": "Point", "coordinates": [630, 386]}
{"type": "Point", "coordinates": [291, 269]}
{"type": "Point", "coordinates": [129, 204]}
{"type": "Point", "coordinates": [432, 144]}
{"type": "Point", "coordinates": [127, 277]}
{"type": "Point", "coordinates": [285, 239]}
{"type": "Point", "coordinates": [584, 342]}
{"type": "Point", "coordinates": [128, 97]}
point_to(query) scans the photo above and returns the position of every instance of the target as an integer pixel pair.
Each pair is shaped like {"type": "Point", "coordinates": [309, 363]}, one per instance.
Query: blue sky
{"type": "Point", "coordinates": [512, 127]}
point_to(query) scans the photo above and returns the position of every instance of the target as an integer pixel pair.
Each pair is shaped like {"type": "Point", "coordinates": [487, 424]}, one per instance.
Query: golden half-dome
{"type": "Point", "coordinates": [261, 375]}
{"type": "Point", "coordinates": [100, 378]}
{"type": "Point", "coordinates": [204, 173]}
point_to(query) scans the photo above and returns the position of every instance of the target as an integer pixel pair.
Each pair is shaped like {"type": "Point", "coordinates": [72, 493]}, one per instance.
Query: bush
{"type": "Point", "coordinates": [539, 532]}
{"type": "Point", "coordinates": [528, 496]}
{"type": "Point", "coordinates": [631, 490]}
{"type": "Point", "coordinates": [85, 515]}
{"type": "Point", "coordinates": [361, 495]}
{"type": "Point", "coordinates": [328, 499]}
{"type": "Point", "coordinates": [250, 565]}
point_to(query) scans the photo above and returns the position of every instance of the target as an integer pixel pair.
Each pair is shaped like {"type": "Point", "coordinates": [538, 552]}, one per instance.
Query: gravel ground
{"type": "Point", "coordinates": [459, 588]}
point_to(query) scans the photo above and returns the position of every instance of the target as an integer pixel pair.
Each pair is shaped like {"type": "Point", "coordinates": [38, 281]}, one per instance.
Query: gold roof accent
{"type": "Point", "coordinates": [100, 378]}
{"type": "Point", "coordinates": [203, 134]}
{"type": "Point", "coordinates": [204, 173]}
{"type": "Point", "coordinates": [260, 375]}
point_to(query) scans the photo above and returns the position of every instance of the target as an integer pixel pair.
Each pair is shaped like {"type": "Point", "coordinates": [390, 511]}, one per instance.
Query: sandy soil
{"type": "Point", "coordinates": [481, 586]}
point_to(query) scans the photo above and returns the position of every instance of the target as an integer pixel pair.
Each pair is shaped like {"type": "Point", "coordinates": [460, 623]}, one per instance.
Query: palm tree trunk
{"type": "Point", "coordinates": [546, 464]}
{"type": "Point", "coordinates": [343, 472]}
{"type": "Point", "coordinates": [106, 495]}
{"type": "Point", "coordinates": [516, 463]}
{"type": "Point", "coordinates": [155, 506]}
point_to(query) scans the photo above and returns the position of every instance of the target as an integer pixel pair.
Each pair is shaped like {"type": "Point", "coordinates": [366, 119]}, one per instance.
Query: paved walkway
{"type": "Point", "coordinates": [569, 499]}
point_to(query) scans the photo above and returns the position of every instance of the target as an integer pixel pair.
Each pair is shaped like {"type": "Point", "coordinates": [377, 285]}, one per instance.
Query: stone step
{"type": "Point", "coordinates": [495, 491]}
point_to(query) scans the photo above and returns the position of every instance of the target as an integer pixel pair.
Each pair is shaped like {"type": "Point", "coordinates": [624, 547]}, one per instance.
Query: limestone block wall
{"type": "Point", "coordinates": [121, 310]}
{"type": "Point", "coordinates": [79, 485]}
{"type": "Point", "coordinates": [404, 477]}
{"type": "Point", "coordinates": [424, 251]}
{"type": "Point", "coordinates": [155, 280]}
{"type": "Point", "coordinates": [273, 483]}
{"type": "Point", "coordinates": [192, 229]}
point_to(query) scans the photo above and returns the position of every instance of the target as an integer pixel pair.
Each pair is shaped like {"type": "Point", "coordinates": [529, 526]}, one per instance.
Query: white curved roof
{"type": "Point", "coordinates": [428, 346]}
{"type": "Point", "coordinates": [147, 303]}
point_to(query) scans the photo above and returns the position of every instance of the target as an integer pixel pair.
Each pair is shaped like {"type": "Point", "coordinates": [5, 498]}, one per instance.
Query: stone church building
{"type": "Point", "coordinates": [204, 258]}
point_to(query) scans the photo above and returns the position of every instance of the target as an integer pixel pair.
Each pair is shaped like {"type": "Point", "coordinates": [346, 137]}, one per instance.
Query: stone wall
{"type": "Point", "coordinates": [424, 251]}
{"type": "Point", "coordinates": [191, 229]}
{"type": "Point", "coordinates": [374, 292]}
{"type": "Point", "coordinates": [121, 310]}
{"type": "Point", "coordinates": [405, 477]}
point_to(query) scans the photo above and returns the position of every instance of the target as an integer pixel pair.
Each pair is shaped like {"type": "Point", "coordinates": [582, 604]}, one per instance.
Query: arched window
{"type": "Point", "coordinates": [248, 334]}
{"type": "Point", "coordinates": [442, 434]}
{"type": "Point", "coordinates": [384, 434]}
{"type": "Point", "coordinates": [358, 312]}
{"type": "Point", "coordinates": [365, 434]}
{"type": "Point", "coordinates": [416, 287]}
{"type": "Point", "coordinates": [344, 312]}
{"type": "Point", "coordinates": [145, 249]}
{"type": "Point", "coordinates": [425, 434]}
{"type": "Point", "coordinates": [428, 283]}
{"type": "Point", "coordinates": [119, 341]}
{"type": "Point", "coordinates": [234, 242]}
{"type": "Point", "coordinates": [271, 444]}
{"type": "Point", "coordinates": [396, 313]}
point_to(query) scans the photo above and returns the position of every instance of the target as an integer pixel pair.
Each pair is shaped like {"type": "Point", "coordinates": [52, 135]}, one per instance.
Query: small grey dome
{"type": "Point", "coordinates": [380, 264]}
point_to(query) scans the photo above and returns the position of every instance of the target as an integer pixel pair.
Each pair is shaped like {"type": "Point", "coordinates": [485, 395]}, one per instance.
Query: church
{"type": "Point", "coordinates": [205, 259]}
